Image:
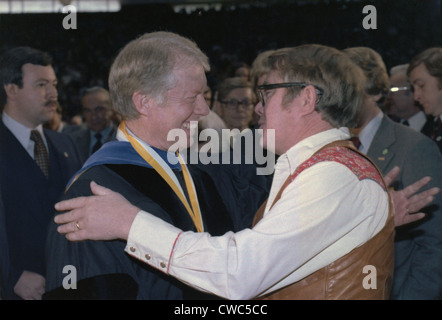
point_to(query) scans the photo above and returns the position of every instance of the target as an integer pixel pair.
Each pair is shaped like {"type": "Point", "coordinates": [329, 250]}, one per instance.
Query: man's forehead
{"type": "Point", "coordinates": [419, 72]}
{"type": "Point", "coordinates": [37, 71]}
{"type": "Point", "coordinates": [272, 77]}
{"type": "Point", "coordinates": [399, 78]}
{"type": "Point", "coordinates": [190, 79]}
{"type": "Point", "coordinates": [97, 96]}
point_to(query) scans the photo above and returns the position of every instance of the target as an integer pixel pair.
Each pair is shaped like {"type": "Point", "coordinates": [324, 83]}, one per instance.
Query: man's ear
{"type": "Point", "coordinates": [309, 99]}
{"type": "Point", "coordinates": [141, 102]}
{"type": "Point", "coordinates": [11, 90]}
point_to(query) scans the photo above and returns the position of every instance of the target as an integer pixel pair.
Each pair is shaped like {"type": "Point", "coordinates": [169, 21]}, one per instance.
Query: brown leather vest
{"type": "Point", "coordinates": [364, 273]}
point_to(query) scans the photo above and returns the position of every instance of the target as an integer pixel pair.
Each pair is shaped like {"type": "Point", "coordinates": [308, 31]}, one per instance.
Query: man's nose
{"type": "Point", "coordinates": [52, 92]}
{"type": "Point", "coordinates": [259, 109]}
{"type": "Point", "coordinates": [202, 107]}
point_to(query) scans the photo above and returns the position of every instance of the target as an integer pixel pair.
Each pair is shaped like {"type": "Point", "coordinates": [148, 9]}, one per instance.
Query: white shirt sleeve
{"type": "Point", "coordinates": [322, 215]}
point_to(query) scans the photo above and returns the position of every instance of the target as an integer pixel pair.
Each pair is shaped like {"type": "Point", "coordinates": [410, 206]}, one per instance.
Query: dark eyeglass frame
{"type": "Point", "coordinates": [237, 104]}
{"type": "Point", "coordinates": [271, 86]}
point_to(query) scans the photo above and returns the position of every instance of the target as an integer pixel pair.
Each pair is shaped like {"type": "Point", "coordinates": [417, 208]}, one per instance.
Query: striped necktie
{"type": "Point", "coordinates": [41, 155]}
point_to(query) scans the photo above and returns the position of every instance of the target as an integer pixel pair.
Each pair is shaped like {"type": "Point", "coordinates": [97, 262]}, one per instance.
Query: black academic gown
{"type": "Point", "coordinates": [103, 269]}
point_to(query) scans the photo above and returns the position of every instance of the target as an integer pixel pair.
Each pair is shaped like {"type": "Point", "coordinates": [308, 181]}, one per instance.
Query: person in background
{"type": "Point", "coordinates": [425, 73]}
{"type": "Point", "coordinates": [418, 246]}
{"type": "Point", "coordinates": [235, 102]}
{"type": "Point", "coordinates": [36, 164]}
{"type": "Point", "coordinates": [4, 252]}
{"type": "Point", "coordinates": [212, 120]}
{"type": "Point", "coordinates": [241, 70]}
{"type": "Point", "coordinates": [99, 126]}
{"type": "Point", "coordinates": [400, 103]}
{"type": "Point", "coordinates": [258, 72]}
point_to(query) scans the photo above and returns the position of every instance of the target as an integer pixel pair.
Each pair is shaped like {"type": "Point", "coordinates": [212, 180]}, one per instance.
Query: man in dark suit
{"type": "Point", "coordinates": [400, 104]}
{"type": "Point", "coordinates": [4, 252]}
{"type": "Point", "coordinates": [425, 74]}
{"type": "Point", "coordinates": [418, 246]}
{"type": "Point", "coordinates": [35, 165]}
{"type": "Point", "coordinates": [99, 127]}
{"type": "Point", "coordinates": [157, 84]}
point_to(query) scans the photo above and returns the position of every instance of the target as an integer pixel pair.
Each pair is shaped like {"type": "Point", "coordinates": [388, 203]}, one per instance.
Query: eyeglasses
{"type": "Point", "coordinates": [234, 104]}
{"type": "Point", "coordinates": [96, 110]}
{"type": "Point", "coordinates": [397, 89]}
{"type": "Point", "coordinates": [265, 87]}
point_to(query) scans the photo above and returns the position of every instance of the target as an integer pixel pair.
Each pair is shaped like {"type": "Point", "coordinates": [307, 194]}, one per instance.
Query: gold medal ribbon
{"type": "Point", "coordinates": [194, 212]}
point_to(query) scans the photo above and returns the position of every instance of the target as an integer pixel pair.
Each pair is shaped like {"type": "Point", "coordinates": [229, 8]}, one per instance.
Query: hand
{"type": "Point", "coordinates": [30, 286]}
{"type": "Point", "coordinates": [106, 215]}
{"type": "Point", "coordinates": [406, 202]}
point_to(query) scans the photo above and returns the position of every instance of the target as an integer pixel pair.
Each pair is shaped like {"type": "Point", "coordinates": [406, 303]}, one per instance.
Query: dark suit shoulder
{"type": "Point", "coordinates": [407, 136]}
{"type": "Point", "coordinates": [100, 265]}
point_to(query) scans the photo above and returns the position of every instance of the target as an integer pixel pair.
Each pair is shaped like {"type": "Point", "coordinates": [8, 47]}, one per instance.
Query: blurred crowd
{"type": "Point", "coordinates": [228, 36]}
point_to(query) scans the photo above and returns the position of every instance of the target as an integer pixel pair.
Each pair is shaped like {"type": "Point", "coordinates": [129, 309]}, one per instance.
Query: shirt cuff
{"type": "Point", "coordinates": [152, 240]}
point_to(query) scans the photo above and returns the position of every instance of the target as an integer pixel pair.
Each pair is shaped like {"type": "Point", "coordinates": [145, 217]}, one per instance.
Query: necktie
{"type": "Point", "coordinates": [98, 144]}
{"type": "Point", "coordinates": [41, 155]}
{"type": "Point", "coordinates": [356, 142]}
{"type": "Point", "coordinates": [436, 127]}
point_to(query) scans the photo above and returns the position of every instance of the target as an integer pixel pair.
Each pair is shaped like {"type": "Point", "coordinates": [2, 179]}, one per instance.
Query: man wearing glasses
{"type": "Point", "coordinates": [235, 103]}
{"type": "Point", "coordinates": [418, 255]}
{"type": "Point", "coordinates": [328, 216]}
{"type": "Point", "coordinates": [400, 103]}
{"type": "Point", "coordinates": [99, 129]}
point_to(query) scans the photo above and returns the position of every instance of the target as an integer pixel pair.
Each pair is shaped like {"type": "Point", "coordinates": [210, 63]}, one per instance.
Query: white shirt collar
{"type": "Point", "coordinates": [307, 147]}
{"type": "Point", "coordinates": [417, 121]}
{"type": "Point", "coordinates": [21, 132]}
{"type": "Point", "coordinates": [367, 134]}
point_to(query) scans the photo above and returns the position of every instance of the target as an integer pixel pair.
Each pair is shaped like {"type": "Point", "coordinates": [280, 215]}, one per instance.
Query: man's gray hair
{"type": "Point", "coordinates": [147, 65]}
{"type": "Point", "coordinates": [330, 70]}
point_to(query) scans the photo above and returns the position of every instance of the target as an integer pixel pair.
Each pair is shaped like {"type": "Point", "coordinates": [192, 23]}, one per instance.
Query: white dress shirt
{"type": "Point", "coordinates": [417, 121]}
{"type": "Point", "coordinates": [23, 133]}
{"type": "Point", "coordinates": [321, 216]}
{"type": "Point", "coordinates": [367, 134]}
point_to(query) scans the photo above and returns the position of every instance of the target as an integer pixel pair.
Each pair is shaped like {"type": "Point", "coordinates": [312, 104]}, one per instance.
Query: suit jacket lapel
{"type": "Point", "coordinates": [379, 150]}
